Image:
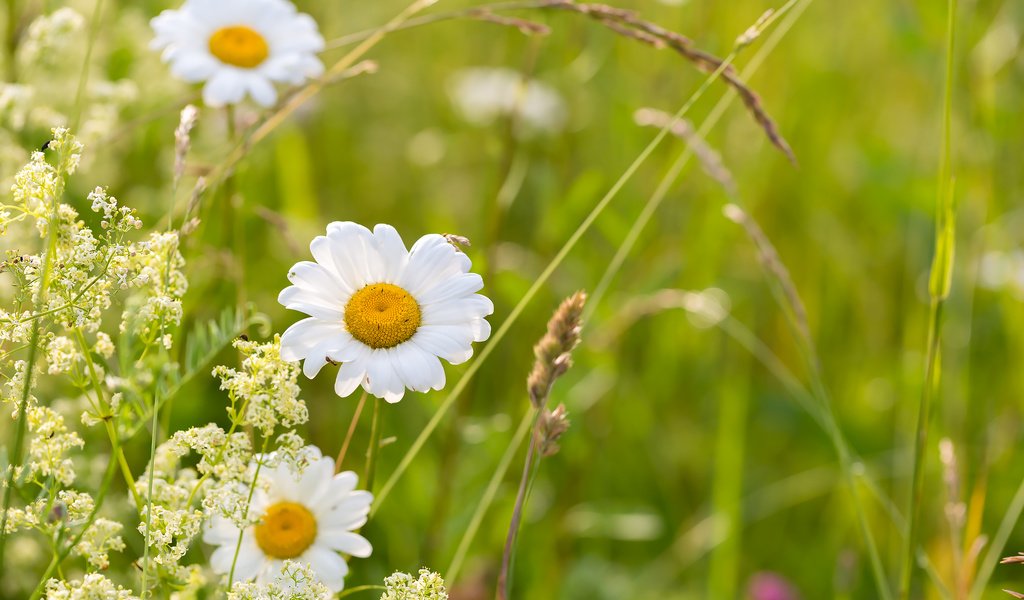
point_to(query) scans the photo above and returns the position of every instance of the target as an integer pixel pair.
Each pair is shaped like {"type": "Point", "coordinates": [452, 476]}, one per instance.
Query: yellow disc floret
{"type": "Point", "coordinates": [382, 315]}
{"type": "Point", "coordinates": [286, 530]}
{"type": "Point", "coordinates": [240, 46]}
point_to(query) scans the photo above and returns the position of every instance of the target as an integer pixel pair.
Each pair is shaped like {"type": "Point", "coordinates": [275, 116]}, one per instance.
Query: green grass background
{"type": "Point", "coordinates": [670, 422]}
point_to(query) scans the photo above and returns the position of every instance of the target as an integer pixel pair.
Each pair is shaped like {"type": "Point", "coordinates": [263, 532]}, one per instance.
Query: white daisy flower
{"type": "Point", "coordinates": [307, 518]}
{"type": "Point", "coordinates": [385, 313]}
{"type": "Point", "coordinates": [239, 47]}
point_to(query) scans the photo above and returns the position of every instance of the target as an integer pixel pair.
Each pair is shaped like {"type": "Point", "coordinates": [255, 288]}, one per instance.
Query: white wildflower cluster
{"type": "Point", "coordinates": [47, 66]}
{"type": "Point", "coordinates": [92, 587]}
{"type": "Point", "coordinates": [158, 263]}
{"type": "Point", "coordinates": [297, 581]}
{"type": "Point", "coordinates": [98, 541]}
{"type": "Point", "coordinates": [69, 516]}
{"type": "Point", "coordinates": [402, 586]}
{"type": "Point", "coordinates": [265, 392]}
{"type": "Point", "coordinates": [49, 36]}
{"type": "Point", "coordinates": [49, 445]}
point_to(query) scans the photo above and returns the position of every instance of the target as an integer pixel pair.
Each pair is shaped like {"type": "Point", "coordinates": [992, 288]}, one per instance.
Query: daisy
{"type": "Point", "coordinates": [239, 47]}
{"type": "Point", "coordinates": [385, 313]}
{"type": "Point", "coordinates": [307, 518]}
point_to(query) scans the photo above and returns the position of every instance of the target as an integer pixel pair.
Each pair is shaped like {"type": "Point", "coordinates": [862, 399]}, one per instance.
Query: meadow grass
{"type": "Point", "coordinates": [718, 345]}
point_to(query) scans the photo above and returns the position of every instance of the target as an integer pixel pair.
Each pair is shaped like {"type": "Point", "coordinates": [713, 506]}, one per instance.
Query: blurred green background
{"type": "Point", "coordinates": [675, 427]}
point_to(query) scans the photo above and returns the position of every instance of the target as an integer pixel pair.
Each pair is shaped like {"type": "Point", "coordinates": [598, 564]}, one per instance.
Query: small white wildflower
{"type": "Point", "coordinates": [297, 581]}
{"type": "Point", "coordinates": [92, 587]}
{"type": "Point", "coordinates": [98, 541]}
{"type": "Point", "coordinates": [266, 385]}
{"type": "Point", "coordinates": [48, 37]}
{"type": "Point", "coordinates": [62, 355]}
{"type": "Point", "coordinates": [104, 345]}
{"type": "Point", "coordinates": [402, 586]}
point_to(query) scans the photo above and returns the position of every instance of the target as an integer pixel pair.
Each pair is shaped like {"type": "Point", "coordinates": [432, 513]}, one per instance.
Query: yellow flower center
{"type": "Point", "coordinates": [240, 46]}
{"type": "Point", "coordinates": [382, 315]}
{"type": "Point", "coordinates": [286, 530]}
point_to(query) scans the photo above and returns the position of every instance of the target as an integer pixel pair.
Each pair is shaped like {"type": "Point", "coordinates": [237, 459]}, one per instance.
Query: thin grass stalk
{"type": "Point", "coordinates": [529, 466]}
{"type": "Point", "coordinates": [514, 315]}
{"type": "Point", "coordinates": [149, 488]}
{"type": "Point", "coordinates": [792, 11]}
{"type": "Point", "coordinates": [727, 487]}
{"type": "Point", "coordinates": [11, 40]}
{"type": "Point", "coordinates": [351, 431]}
{"type": "Point", "coordinates": [998, 545]}
{"type": "Point", "coordinates": [83, 78]}
{"type": "Point", "coordinates": [939, 287]}
{"type": "Point", "coordinates": [489, 494]}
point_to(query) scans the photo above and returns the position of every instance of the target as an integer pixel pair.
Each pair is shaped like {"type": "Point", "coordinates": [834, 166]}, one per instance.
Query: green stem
{"type": "Point", "coordinates": [245, 514]}
{"type": "Point", "coordinates": [541, 280]}
{"type": "Point", "coordinates": [108, 420]}
{"type": "Point", "coordinates": [517, 512]}
{"type": "Point", "coordinates": [83, 78]}
{"type": "Point", "coordinates": [11, 41]}
{"type": "Point", "coordinates": [489, 493]}
{"type": "Point", "coordinates": [373, 449]}
{"type": "Point", "coordinates": [149, 492]}
{"type": "Point", "coordinates": [360, 588]}
{"type": "Point", "coordinates": [939, 287]}
{"type": "Point", "coordinates": [931, 382]}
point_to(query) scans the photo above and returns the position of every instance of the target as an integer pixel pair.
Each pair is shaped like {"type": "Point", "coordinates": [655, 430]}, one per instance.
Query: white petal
{"type": "Point", "coordinates": [225, 87]}
{"type": "Point", "coordinates": [457, 287]}
{"type": "Point", "coordinates": [261, 90]}
{"type": "Point", "coordinates": [250, 558]}
{"type": "Point", "coordinates": [350, 375]}
{"type": "Point", "coordinates": [315, 481]}
{"type": "Point", "coordinates": [302, 336]}
{"type": "Point", "coordinates": [417, 368]}
{"type": "Point", "coordinates": [391, 249]}
{"type": "Point", "coordinates": [313, 276]}
{"type": "Point", "coordinates": [450, 342]}
{"type": "Point", "coordinates": [381, 379]}
{"type": "Point", "coordinates": [457, 312]}
{"type": "Point", "coordinates": [338, 348]}
{"type": "Point", "coordinates": [219, 530]}
{"type": "Point", "coordinates": [347, 542]}
{"type": "Point", "coordinates": [329, 567]}
{"type": "Point", "coordinates": [343, 483]}
{"type": "Point", "coordinates": [194, 67]}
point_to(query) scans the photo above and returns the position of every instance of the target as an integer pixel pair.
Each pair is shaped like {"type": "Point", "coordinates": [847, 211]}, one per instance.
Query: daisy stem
{"type": "Point", "coordinates": [351, 430]}
{"type": "Point", "coordinates": [489, 493]}
{"type": "Point", "coordinates": [245, 513]}
{"type": "Point", "coordinates": [939, 288]}
{"type": "Point", "coordinates": [373, 449]}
